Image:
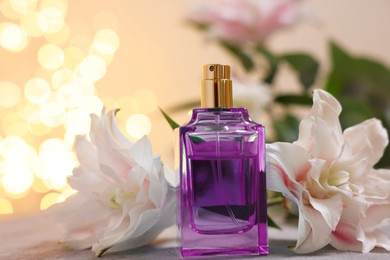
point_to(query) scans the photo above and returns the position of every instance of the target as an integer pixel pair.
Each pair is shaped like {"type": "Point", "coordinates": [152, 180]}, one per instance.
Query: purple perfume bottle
{"type": "Point", "coordinates": [222, 191]}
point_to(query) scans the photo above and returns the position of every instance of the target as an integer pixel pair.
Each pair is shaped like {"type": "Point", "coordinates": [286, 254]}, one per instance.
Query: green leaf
{"type": "Point", "coordinates": [286, 128]}
{"type": "Point", "coordinates": [294, 100]}
{"type": "Point", "coordinates": [384, 162]}
{"type": "Point", "coordinates": [238, 52]}
{"type": "Point", "coordinates": [271, 223]}
{"type": "Point", "coordinates": [341, 70]}
{"type": "Point", "coordinates": [170, 121]}
{"type": "Point", "coordinates": [360, 77]}
{"type": "Point", "coordinates": [273, 63]}
{"type": "Point", "coordinates": [354, 111]}
{"type": "Point", "coordinates": [196, 139]}
{"type": "Point", "coordinates": [376, 75]}
{"type": "Point", "coordinates": [341, 60]}
{"type": "Point", "coordinates": [305, 65]}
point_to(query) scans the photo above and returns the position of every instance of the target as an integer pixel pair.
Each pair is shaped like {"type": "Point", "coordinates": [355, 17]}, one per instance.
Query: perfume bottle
{"type": "Point", "coordinates": [222, 193]}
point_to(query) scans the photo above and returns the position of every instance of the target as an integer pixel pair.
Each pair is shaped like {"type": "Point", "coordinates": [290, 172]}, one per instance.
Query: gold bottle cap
{"type": "Point", "coordinates": [216, 86]}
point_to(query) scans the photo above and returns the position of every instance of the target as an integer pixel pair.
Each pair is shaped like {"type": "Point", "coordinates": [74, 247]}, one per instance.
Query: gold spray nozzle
{"type": "Point", "coordinates": [216, 86]}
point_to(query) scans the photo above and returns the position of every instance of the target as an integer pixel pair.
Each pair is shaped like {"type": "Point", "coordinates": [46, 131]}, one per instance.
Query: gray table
{"type": "Point", "coordinates": [33, 237]}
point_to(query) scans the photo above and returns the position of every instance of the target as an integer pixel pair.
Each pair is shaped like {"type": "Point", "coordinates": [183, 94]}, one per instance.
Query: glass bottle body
{"type": "Point", "coordinates": [222, 190]}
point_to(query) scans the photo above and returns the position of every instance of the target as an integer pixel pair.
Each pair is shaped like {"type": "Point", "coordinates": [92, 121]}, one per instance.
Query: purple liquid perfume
{"type": "Point", "coordinates": [222, 193]}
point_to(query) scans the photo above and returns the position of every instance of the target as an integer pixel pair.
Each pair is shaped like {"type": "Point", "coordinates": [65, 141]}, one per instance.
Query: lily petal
{"type": "Point", "coordinates": [330, 209]}
{"type": "Point", "coordinates": [369, 139]}
{"type": "Point", "coordinates": [282, 174]}
{"type": "Point", "coordinates": [326, 107]}
{"type": "Point", "coordinates": [315, 232]}
{"type": "Point", "coordinates": [374, 228]}
{"type": "Point", "coordinates": [141, 153]}
{"type": "Point", "coordinates": [344, 237]}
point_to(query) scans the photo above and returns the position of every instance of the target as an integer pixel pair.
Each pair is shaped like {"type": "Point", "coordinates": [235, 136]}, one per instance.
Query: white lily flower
{"type": "Point", "coordinates": [241, 21]}
{"type": "Point", "coordinates": [123, 199]}
{"type": "Point", "coordinates": [329, 174]}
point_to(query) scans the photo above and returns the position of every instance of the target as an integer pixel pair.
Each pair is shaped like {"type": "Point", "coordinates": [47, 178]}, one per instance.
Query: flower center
{"type": "Point", "coordinates": [338, 178]}
{"type": "Point", "coordinates": [121, 196]}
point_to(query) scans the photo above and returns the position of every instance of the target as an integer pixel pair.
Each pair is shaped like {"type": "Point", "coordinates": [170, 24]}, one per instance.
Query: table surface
{"type": "Point", "coordinates": [30, 237]}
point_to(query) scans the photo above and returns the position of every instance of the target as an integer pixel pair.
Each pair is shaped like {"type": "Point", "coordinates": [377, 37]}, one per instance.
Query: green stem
{"type": "Point", "coordinates": [274, 201]}
{"type": "Point", "coordinates": [101, 252]}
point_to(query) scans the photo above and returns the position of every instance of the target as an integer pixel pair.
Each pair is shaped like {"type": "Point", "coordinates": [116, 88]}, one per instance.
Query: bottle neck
{"type": "Point", "coordinates": [214, 110]}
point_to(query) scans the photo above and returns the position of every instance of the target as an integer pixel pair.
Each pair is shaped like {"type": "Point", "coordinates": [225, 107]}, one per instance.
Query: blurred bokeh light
{"type": "Point", "coordinates": [41, 117]}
